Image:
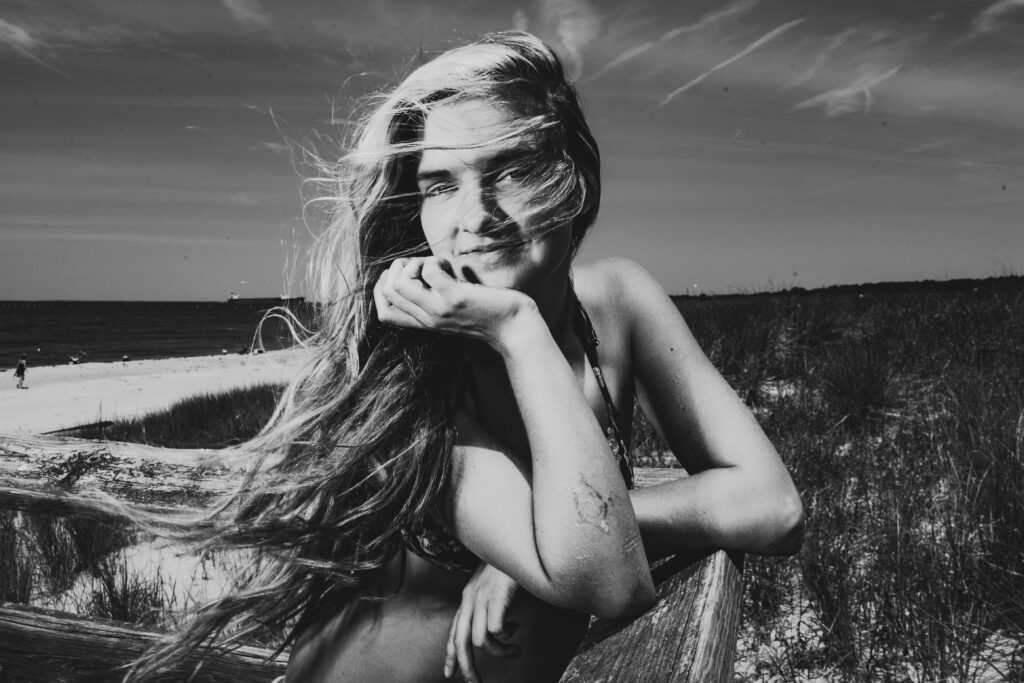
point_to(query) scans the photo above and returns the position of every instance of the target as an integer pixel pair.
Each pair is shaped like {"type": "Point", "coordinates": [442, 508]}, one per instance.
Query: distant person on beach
{"type": "Point", "coordinates": [447, 486]}
{"type": "Point", "coordinates": [20, 371]}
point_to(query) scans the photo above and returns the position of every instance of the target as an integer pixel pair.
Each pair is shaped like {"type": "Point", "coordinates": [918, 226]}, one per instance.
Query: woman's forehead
{"type": "Point", "coordinates": [471, 124]}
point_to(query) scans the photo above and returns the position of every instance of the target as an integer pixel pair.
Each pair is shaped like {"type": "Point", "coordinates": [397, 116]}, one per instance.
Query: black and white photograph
{"type": "Point", "coordinates": [565, 341]}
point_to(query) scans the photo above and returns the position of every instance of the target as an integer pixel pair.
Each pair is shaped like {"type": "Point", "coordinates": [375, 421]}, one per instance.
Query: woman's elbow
{"type": "Point", "coordinates": [610, 594]}
{"type": "Point", "coordinates": [623, 605]}
{"type": "Point", "coordinates": [788, 521]}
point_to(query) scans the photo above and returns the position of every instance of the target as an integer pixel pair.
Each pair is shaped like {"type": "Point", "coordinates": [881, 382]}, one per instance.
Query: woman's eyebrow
{"type": "Point", "coordinates": [427, 175]}
{"type": "Point", "coordinates": [511, 155]}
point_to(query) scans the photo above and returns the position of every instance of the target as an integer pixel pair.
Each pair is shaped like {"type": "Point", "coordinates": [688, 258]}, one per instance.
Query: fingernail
{"type": "Point", "coordinates": [447, 670]}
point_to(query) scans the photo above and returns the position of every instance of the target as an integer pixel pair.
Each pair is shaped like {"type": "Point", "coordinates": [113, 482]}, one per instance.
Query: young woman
{"type": "Point", "coordinates": [446, 488]}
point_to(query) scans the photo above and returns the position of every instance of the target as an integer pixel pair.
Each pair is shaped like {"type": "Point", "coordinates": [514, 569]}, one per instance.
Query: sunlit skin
{"type": "Point", "coordinates": [476, 199]}
{"type": "Point", "coordinates": [533, 428]}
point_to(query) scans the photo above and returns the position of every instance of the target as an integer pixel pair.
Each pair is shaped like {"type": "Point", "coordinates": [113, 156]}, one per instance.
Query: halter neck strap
{"type": "Point", "coordinates": [585, 330]}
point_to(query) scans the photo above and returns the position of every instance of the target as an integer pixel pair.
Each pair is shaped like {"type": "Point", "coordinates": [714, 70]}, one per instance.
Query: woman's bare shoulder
{"type": "Point", "coordinates": [610, 288]}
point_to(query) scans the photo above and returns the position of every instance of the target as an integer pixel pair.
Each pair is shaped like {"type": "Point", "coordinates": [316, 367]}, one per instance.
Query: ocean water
{"type": "Point", "coordinates": [50, 332]}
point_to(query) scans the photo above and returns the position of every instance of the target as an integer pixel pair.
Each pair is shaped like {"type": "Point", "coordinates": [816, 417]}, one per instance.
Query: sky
{"type": "Point", "coordinates": [155, 150]}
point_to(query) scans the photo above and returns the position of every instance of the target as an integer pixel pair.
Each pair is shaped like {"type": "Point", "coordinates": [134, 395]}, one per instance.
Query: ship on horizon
{"type": "Point", "coordinates": [283, 300]}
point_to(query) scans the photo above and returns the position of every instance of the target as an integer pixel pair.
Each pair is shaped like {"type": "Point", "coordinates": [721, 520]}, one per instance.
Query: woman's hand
{"type": "Point", "coordinates": [423, 293]}
{"type": "Point", "coordinates": [480, 622]}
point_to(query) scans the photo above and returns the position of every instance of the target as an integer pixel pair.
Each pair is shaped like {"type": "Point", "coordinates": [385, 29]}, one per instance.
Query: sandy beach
{"type": "Point", "coordinates": [70, 395]}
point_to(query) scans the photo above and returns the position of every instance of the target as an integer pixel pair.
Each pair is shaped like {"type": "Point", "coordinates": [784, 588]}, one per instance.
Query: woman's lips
{"type": "Point", "coordinates": [481, 249]}
{"type": "Point", "coordinates": [506, 245]}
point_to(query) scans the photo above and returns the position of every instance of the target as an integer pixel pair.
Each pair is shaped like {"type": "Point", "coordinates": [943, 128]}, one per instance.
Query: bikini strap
{"type": "Point", "coordinates": [587, 334]}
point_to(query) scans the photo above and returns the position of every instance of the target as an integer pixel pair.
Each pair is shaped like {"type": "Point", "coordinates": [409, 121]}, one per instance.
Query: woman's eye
{"type": "Point", "coordinates": [437, 190]}
{"type": "Point", "coordinates": [512, 175]}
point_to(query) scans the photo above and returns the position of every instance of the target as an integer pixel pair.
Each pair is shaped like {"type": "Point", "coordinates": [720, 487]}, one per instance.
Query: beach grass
{"type": "Point", "coordinates": [201, 421]}
{"type": "Point", "coordinates": [901, 418]}
{"type": "Point", "coordinates": [902, 421]}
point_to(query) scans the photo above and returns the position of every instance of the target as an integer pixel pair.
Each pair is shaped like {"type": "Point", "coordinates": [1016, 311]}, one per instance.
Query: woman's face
{"type": "Point", "coordinates": [477, 208]}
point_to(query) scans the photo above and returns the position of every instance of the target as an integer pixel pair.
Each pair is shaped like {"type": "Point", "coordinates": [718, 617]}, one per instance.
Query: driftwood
{"type": "Point", "coordinates": [37, 646]}
{"type": "Point", "coordinates": [689, 635]}
{"type": "Point", "coordinates": [130, 472]}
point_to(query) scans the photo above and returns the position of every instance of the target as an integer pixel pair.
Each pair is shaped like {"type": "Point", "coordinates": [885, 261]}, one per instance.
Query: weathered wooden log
{"type": "Point", "coordinates": [129, 472]}
{"type": "Point", "coordinates": [38, 646]}
{"type": "Point", "coordinates": [688, 636]}
{"type": "Point", "coordinates": [57, 502]}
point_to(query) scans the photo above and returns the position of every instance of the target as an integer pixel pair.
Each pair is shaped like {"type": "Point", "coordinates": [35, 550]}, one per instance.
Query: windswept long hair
{"type": "Point", "coordinates": [360, 446]}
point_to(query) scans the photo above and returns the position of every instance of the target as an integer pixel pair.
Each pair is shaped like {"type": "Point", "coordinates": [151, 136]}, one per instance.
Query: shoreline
{"type": "Point", "coordinates": [64, 396]}
{"type": "Point", "coordinates": [147, 359]}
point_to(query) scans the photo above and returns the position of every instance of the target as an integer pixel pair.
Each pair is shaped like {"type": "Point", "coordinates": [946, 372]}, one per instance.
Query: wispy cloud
{"type": "Point", "coordinates": [704, 22]}
{"type": "Point", "coordinates": [57, 36]}
{"type": "Point", "coordinates": [768, 37]}
{"type": "Point", "coordinates": [848, 99]}
{"type": "Point", "coordinates": [19, 40]}
{"type": "Point", "coordinates": [990, 18]}
{"type": "Point", "coordinates": [275, 147]}
{"type": "Point", "coordinates": [121, 237]}
{"type": "Point", "coordinates": [16, 36]}
{"type": "Point", "coordinates": [250, 14]}
{"type": "Point", "coordinates": [869, 36]}
{"type": "Point", "coordinates": [245, 198]}
{"type": "Point", "coordinates": [520, 20]}
{"type": "Point", "coordinates": [924, 147]}
{"type": "Point", "coordinates": [569, 25]}
{"type": "Point", "coordinates": [103, 37]}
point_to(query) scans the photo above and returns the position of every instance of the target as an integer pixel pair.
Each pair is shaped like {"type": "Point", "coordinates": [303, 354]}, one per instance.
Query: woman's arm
{"type": "Point", "coordinates": [564, 526]}
{"type": "Point", "coordinates": [739, 495]}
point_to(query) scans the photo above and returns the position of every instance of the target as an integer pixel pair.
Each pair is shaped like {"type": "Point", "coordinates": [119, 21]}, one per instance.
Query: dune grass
{"type": "Point", "coordinates": [901, 417]}
{"type": "Point", "coordinates": [17, 573]}
{"type": "Point", "coordinates": [903, 425]}
{"type": "Point", "coordinates": [202, 421]}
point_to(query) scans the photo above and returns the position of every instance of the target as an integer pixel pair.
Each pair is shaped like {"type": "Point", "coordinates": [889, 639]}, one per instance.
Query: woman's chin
{"type": "Point", "coordinates": [497, 268]}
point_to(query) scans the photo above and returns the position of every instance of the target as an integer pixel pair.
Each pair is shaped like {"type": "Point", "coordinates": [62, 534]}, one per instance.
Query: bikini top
{"type": "Point", "coordinates": [434, 543]}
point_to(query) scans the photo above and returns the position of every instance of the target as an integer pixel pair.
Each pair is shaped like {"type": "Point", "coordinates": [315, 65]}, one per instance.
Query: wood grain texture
{"type": "Point", "coordinates": [130, 472]}
{"type": "Point", "coordinates": [46, 647]}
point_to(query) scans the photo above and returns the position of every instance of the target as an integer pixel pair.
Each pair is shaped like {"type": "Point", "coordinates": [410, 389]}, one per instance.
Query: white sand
{"type": "Point", "coordinates": [69, 395]}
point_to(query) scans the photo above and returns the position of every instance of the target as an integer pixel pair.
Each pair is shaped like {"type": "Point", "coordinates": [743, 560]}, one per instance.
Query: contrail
{"type": "Point", "coordinates": [846, 100]}
{"type": "Point", "coordinates": [771, 35]}
{"type": "Point", "coordinates": [703, 22]}
{"type": "Point", "coordinates": [822, 59]}
{"type": "Point", "coordinates": [869, 36]}
{"type": "Point", "coordinates": [24, 51]}
{"type": "Point", "coordinates": [39, 61]}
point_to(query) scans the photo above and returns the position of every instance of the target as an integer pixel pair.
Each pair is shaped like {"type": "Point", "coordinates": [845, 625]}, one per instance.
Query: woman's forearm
{"type": "Point", "coordinates": [720, 508]}
{"type": "Point", "coordinates": [584, 525]}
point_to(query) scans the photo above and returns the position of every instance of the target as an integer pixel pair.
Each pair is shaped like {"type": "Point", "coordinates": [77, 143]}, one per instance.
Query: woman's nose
{"type": "Point", "coordinates": [476, 211]}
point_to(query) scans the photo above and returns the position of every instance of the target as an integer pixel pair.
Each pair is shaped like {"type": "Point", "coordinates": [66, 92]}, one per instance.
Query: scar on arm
{"type": "Point", "coordinates": [592, 507]}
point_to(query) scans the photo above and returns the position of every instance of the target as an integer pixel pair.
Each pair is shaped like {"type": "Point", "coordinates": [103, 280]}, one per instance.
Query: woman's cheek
{"type": "Point", "coordinates": [437, 238]}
